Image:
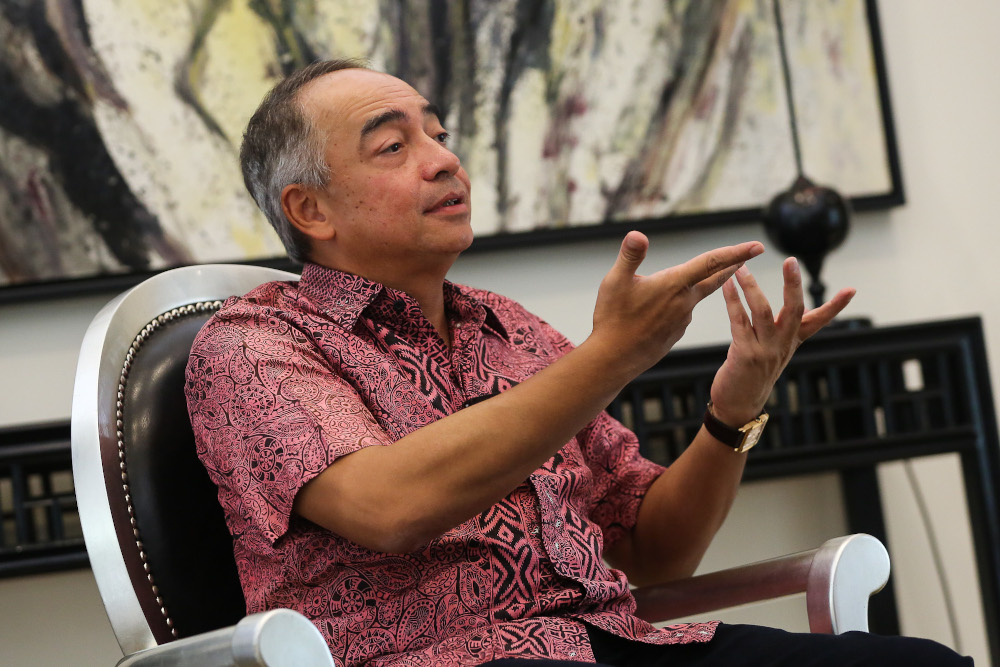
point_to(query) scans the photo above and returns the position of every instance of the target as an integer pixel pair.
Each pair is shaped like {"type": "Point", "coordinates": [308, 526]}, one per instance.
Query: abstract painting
{"type": "Point", "coordinates": [120, 120]}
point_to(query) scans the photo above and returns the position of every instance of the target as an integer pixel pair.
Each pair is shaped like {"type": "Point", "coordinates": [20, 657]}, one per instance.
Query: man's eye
{"type": "Point", "coordinates": [393, 148]}
{"type": "Point", "coordinates": [443, 137]}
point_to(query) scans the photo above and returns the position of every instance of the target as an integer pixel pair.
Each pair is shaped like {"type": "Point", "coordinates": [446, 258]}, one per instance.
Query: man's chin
{"type": "Point", "coordinates": [459, 246]}
{"type": "Point", "coordinates": [464, 235]}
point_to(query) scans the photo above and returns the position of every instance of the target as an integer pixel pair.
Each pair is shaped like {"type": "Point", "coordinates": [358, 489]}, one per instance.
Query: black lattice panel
{"type": "Point", "coordinates": [828, 398]}
{"type": "Point", "coordinates": [41, 526]}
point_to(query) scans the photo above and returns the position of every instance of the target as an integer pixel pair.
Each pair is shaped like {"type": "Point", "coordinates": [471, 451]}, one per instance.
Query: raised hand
{"type": "Point", "coordinates": [644, 316]}
{"type": "Point", "coordinates": [763, 344]}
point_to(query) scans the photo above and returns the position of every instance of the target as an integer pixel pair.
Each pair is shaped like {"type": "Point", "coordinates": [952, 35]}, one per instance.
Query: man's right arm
{"type": "Point", "coordinates": [397, 498]}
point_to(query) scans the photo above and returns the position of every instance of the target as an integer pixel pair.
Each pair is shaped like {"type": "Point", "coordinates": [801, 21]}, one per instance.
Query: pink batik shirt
{"type": "Point", "coordinates": [283, 381]}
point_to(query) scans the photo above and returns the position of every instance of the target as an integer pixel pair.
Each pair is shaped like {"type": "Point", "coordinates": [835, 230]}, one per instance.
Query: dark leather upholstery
{"type": "Point", "coordinates": [181, 525]}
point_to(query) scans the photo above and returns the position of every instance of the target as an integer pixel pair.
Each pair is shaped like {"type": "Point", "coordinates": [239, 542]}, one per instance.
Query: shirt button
{"type": "Point", "coordinates": [572, 654]}
{"type": "Point", "coordinates": [558, 523]}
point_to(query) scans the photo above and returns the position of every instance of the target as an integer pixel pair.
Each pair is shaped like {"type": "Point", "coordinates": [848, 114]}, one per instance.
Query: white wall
{"type": "Point", "coordinates": [932, 259]}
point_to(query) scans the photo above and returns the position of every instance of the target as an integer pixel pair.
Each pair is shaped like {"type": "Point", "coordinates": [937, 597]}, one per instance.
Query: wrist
{"type": "Point", "coordinates": [731, 416]}
{"type": "Point", "coordinates": [623, 361]}
{"type": "Point", "coordinates": [741, 438]}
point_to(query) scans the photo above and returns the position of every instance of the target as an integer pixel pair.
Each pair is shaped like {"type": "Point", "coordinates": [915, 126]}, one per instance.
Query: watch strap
{"type": "Point", "coordinates": [740, 439]}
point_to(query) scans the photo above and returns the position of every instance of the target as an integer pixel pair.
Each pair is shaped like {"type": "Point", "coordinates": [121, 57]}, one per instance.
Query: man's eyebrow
{"type": "Point", "coordinates": [375, 122]}
{"type": "Point", "coordinates": [393, 115]}
{"type": "Point", "coordinates": [432, 110]}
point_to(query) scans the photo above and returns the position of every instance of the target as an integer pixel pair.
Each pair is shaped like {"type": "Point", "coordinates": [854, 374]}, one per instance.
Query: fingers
{"type": "Point", "coordinates": [739, 322]}
{"type": "Point", "coordinates": [760, 308]}
{"type": "Point", "coordinates": [818, 318]}
{"type": "Point", "coordinates": [710, 270]}
{"type": "Point", "coordinates": [792, 274]}
{"type": "Point", "coordinates": [790, 315]}
{"type": "Point", "coordinates": [631, 254]}
{"type": "Point", "coordinates": [712, 283]}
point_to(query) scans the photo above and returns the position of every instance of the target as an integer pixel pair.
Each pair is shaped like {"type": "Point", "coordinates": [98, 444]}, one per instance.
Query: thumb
{"type": "Point", "coordinates": [632, 252]}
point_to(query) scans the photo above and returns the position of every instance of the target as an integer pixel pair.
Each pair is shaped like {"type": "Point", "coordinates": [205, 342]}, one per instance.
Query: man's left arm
{"type": "Point", "coordinates": [686, 505]}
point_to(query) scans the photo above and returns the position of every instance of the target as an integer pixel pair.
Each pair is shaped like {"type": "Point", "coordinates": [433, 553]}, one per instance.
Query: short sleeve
{"type": "Point", "coordinates": [622, 476]}
{"type": "Point", "coordinates": [269, 414]}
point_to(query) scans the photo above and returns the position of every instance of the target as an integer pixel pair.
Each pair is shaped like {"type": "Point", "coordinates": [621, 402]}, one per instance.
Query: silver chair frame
{"type": "Point", "coordinates": [837, 578]}
{"type": "Point", "coordinates": [275, 638]}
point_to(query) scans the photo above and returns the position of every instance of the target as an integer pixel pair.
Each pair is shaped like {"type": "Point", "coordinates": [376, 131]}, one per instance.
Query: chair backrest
{"type": "Point", "coordinates": [155, 532]}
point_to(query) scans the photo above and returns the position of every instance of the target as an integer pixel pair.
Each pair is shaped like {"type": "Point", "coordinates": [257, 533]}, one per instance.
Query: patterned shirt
{"type": "Point", "coordinates": [286, 379]}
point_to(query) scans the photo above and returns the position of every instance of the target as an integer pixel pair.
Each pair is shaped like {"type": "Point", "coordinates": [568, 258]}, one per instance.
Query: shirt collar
{"type": "Point", "coordinates": [465, 301]}
{"type": "Point", "coordinates": [340, 296]}
{"type": "Point", "coordinates": [343, 297]}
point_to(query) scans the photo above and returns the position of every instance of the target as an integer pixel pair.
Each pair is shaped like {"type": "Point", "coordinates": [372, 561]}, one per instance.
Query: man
{"type": "Point", "coordinates": [424, 469]}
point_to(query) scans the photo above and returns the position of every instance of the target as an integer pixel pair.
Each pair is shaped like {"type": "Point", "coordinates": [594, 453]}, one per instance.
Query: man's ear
{"type": "Point", "coordinates": [304, 208]}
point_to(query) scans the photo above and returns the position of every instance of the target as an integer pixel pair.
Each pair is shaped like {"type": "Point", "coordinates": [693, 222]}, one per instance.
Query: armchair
{"type": "Point", "coordinates": [157, 539]}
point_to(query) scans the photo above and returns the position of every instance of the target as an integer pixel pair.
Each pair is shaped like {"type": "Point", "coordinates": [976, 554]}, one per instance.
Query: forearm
{"type": "Point", "coordinates": [398, 497]}
{"type": "Point", "coordinates": [681, 513]}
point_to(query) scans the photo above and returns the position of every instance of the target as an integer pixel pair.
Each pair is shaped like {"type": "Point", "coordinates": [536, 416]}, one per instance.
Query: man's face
{"type": "Point", "coordinates": [398, 198]}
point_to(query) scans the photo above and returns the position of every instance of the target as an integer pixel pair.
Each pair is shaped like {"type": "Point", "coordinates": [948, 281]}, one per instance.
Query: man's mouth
{"type": "Point", "coordinates": [450, 201]}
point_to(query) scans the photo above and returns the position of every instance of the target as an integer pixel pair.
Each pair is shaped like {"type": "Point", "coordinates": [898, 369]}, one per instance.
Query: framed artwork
{"type": "Point", "coordinates": [120, 120]}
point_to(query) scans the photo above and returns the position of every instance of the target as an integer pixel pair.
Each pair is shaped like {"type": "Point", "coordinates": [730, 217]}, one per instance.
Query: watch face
{"type": "Point", "coordinates": [753, 435]}
{"type": "Point", "coordinates": [752, 432]}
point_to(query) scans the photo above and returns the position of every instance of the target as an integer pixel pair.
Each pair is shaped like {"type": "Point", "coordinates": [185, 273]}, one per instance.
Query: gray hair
{"type": "Point", "coordinates": [281, 146]}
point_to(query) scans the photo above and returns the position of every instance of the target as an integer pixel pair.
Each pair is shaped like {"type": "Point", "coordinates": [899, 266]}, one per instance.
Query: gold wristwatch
{"type": "Point", "coordinates": [740, 439]}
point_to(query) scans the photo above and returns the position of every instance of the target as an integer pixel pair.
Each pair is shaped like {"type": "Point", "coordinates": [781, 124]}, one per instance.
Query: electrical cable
{"type": "Point", "coordinates": [925, 518]}
{"type": "Point", "coordinates": [786, 72]}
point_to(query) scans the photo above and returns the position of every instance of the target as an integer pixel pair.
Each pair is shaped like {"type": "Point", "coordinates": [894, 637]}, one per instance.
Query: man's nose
{"type": "Point", "coordinates": [439, 162]}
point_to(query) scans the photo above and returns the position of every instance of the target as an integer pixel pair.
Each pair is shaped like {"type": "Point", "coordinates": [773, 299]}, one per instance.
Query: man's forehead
{"type": "Point", "coordinates": [350, 97]}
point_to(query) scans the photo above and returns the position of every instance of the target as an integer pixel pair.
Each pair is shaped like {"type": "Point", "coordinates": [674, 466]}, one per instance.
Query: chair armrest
{"type": "Point", "coordinates": [837, 578]}
{"type": "Point", "coordinates": [276, 638]}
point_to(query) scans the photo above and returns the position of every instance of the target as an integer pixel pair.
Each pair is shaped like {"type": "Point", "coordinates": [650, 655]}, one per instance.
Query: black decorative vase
{"type": "Point", "coordinates": [808, 221]}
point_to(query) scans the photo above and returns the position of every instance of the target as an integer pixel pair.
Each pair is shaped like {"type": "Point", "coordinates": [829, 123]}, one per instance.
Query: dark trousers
{"type": "Point", "coordinates": [755, 646]}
